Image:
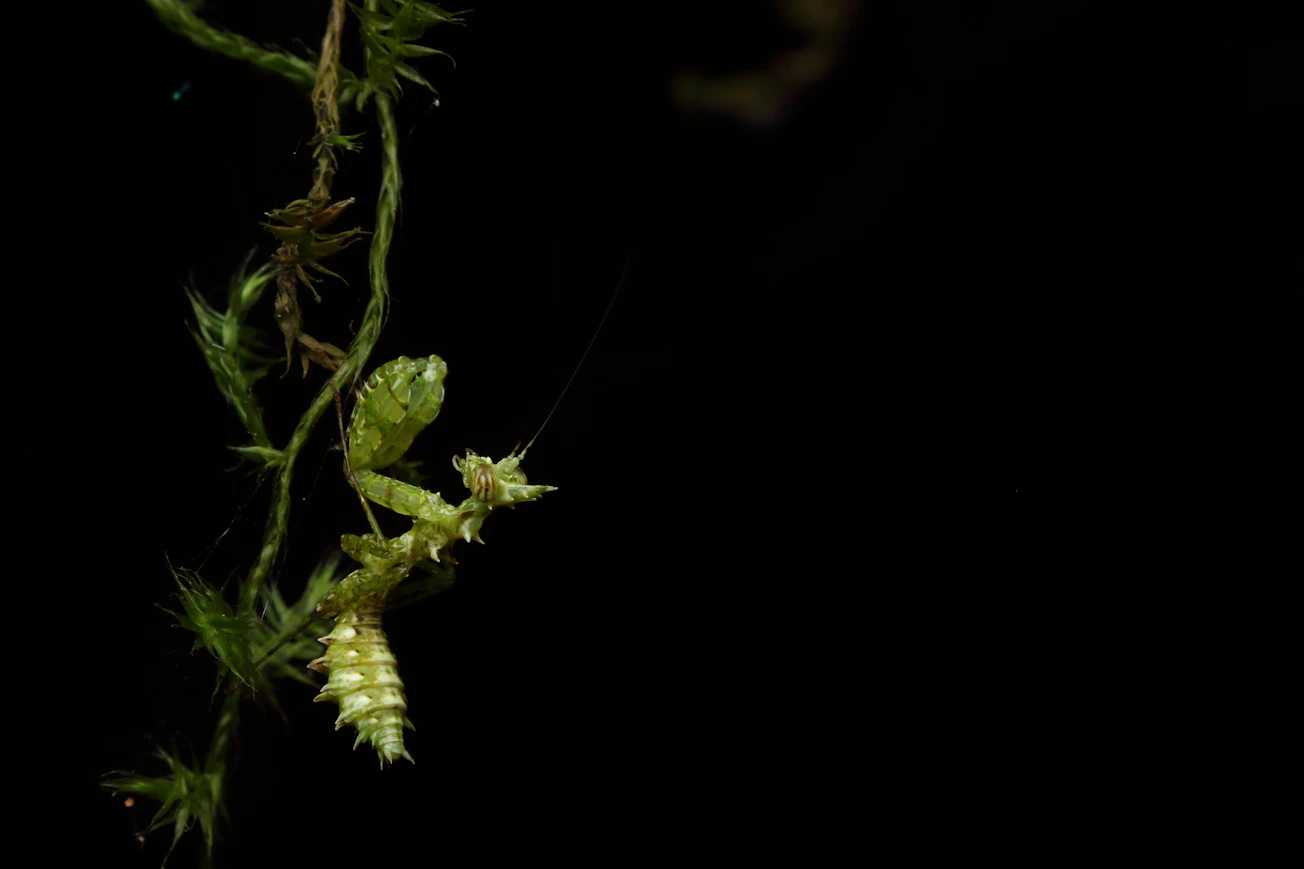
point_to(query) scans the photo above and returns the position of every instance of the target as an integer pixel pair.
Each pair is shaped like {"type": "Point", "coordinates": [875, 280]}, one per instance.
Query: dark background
{"type": "Point", "coordinates": [996, 271]}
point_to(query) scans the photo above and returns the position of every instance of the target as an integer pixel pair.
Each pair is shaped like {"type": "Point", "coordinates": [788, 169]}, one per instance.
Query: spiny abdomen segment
{"type": "Point", "coordinates": [363, 679]}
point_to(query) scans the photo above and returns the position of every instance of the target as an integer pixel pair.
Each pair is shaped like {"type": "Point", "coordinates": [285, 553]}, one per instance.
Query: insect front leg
{"type": "Point", "coordinates": [395, 404]}
{"type": "Point", "coordinates": [402, 497]}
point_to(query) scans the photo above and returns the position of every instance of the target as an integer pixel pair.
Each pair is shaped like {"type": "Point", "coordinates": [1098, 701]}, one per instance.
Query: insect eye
{"type": "Point", "coordinates": [484, 482]}
{"type": "Point", "coordinates": [520, 476]}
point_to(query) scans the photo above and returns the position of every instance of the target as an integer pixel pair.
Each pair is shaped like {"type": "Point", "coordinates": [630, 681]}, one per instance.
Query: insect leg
{"type": "Point", "coordinates": [403, 497]}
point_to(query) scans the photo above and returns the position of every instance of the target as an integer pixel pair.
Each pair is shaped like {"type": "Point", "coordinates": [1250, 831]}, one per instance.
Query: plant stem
{"type": "Point", "coordinates": [176, 16]}
{"type": "Point", "coordinates": [227, 723]}
{"type": "Point", "coordinates": [325, 104]}
{"type": "Point", "coordinates": [391, 187]}
{"type": "Point", "coordinates": [391, 184]}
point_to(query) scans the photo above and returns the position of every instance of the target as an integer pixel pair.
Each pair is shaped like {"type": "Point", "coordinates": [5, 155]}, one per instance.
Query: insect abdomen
{"type": "Point", "coordinates": [363, 679]}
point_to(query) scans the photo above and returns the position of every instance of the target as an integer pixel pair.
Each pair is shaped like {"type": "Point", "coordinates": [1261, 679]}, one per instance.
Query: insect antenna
{"type": "Point", "coordinates": [407, 140]}
{"type": "Point", "coordinates": [592, 340]}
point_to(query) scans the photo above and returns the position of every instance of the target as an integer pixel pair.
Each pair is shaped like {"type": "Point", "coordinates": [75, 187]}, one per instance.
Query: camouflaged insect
{"type": "Point", "coordinates": [397, 402]}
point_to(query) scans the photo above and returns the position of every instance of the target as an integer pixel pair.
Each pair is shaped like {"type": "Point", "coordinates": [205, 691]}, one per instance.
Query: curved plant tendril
{"type": "Point", "coordinates": [260, 625]}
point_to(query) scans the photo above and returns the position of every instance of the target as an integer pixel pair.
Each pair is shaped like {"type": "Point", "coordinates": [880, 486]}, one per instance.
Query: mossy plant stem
{"type": "Point", "coordinates": [373, 318]}
{"type": "Point", "coordinates": [178, 17]}
{"type": "Point", "coordinates": [325, 104]}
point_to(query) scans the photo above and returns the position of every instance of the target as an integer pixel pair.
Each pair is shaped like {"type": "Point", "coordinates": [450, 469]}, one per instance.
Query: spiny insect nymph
{"type": "Point", "coordinates": [397, 402]}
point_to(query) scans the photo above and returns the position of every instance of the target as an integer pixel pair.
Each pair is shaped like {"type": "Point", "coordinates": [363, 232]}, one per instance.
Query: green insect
{"type": "Point", "coordinates": [398, 400]}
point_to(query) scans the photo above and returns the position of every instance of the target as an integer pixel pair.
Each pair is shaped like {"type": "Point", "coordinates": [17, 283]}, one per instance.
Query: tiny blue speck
{"type": "Point", "coordinates": [180, 92]}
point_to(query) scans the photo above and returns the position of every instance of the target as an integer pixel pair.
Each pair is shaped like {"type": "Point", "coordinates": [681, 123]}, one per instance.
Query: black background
{"type": "Point", "coordinates": [999, 270]}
